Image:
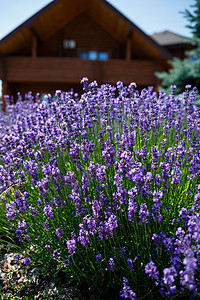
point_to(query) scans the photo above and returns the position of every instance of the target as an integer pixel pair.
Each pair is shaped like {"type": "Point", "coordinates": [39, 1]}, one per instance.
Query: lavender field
{"type": "Point", "coordinates": [103, 189]}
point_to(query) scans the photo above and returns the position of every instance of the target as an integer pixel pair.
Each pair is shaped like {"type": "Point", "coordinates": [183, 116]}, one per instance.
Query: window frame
{"type": "Point", "coordinates": [87, 51]}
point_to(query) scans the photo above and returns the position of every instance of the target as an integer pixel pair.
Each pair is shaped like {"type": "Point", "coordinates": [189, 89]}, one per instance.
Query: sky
{"type": "Point", "coordinates": [151, 16]}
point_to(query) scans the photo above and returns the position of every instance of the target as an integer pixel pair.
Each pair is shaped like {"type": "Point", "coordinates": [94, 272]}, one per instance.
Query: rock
{"type": "Point", "coordinates": [51, 289]}
{"type": "Point", "coordinates": [13, 273]}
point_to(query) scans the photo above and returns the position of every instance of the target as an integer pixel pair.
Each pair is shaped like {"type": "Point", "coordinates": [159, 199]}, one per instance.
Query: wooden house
{"type": "Point", "coordinates": [175, 43]}
{"type": "Point", "coordinates": [68, 40]}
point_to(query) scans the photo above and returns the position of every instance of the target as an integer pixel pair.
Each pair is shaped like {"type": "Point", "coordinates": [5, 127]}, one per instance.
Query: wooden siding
{"type": "Point", "coordinates": [41, 87]}
{"type": "Point", "coordinates": [88, 36]}
{"type": "Point", "coordinates": [44, 69]}
{"type": "Point", "coordinates": [55, 18]}
{"type": "Point", "coordinates": [179, 50]}
{"type": "Point", "coordinates": [109, 20]}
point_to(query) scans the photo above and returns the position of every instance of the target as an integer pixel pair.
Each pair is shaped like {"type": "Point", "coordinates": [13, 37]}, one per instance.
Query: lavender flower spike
{"type": "Point", "coordinates": [127, 293]}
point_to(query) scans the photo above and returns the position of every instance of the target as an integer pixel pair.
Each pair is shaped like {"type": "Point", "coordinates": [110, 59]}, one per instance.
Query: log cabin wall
{"type": "Point", "coordinates": [88, 35]}
{"type": "Point", "coordinates": [42, 88]}
{"type": "Point", "coordinates": [47, 73]}
{"type": "Point", "coordinates": [179, 50]}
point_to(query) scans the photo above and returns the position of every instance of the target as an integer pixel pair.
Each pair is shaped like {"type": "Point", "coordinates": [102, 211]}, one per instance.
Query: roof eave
{"type": "Point", "coordinates": [28, 22]}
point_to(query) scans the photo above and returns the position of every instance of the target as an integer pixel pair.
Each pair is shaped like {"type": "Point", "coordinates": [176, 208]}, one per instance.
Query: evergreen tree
{"type": "Point", "coordinates": [194, 19]}
{"type": "Point", "coordinates": [187, 70]}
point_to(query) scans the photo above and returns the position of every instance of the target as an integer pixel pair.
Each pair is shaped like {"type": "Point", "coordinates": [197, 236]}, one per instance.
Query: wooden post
{"type": "Point", "coordinates": [128, 47]}
{"type": "Point", "coordinates": [5, 91]}
{"type": "Point", "coordinates": [34, 46]}
{"type": "Point", "coordinates": [4, 83]}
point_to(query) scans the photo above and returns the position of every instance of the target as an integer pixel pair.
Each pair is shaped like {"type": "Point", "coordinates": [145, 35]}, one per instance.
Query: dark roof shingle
{"type": "Point", "coordinates": [168, 38]}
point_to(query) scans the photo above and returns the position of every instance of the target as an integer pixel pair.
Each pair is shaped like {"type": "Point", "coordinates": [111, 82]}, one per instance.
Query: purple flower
{"type": "Point", "coordinates": [111, 224]}
{"type": "Point", "coordinates": [132, 208]}
{"type": "Point", "coordinates": [196, 203]}
{"type": "Point", "coordinates": [169, 275]}
{"type": "Point", "coordinates": [96, 207]}
{"type": "Point", "coordinates": [184, 214]}
{"type": "Point", "coordinates": [59, 233]}
{"type": "Point", "coordinates": [46, 226]}
{"type": "Point", "coordinates": [194, 227]}
{"type": "Point", "coordinates": [92, 170]}
{"type": "Point", "coordinates": [56, 255]}
{"type": "Point", "coordinates": [85, 185]}
{"type": "Point", "coordinates": [157, 217]}
{"type": "Point", "coordinates": [176, 175]}
{"type": "Point", "coordinates": [22, 230]}
{"type": "Point", "coordinates": [101, 173]}
{"type": "Point", "coordinates": [33, 211]}
{"type": "Point", "coordinates": [187, 276]}
{"type": "Point", "coordinates": [48, 211]}
{"type": "Point", "coordinates": [70, 177]}
{"type": "Point", "coordinates": [151, 270]}
{"type": "Point", "coordinates": [132, 86]}
{"type": "Point", "coordinates": [39, 202]}
{"type": "Point", "coordinates": [190, 262]}
{"type": "Point", "coordinates": [18, 257]}
{"type": "Point", "coordinates": [10, 211]}
{"type": "Point", "coordinates": [99, 258]}
{"type": "Point", "coordinates": [130, 264]}
{"type": "Point", "coordinates": [157, 196]}
{"type": "Point", "coordinates": [71, 245]}
{"type": "Point", "coordinates": [91, 224]}
{"type": "Point", "coordinates": [123, 251]}
{"type": "Point", "coordinates": [143, 213]}
{"type": "Point", "coordinates": [76, 197]}
{"type": "Point", "coordinates": [111, 264]}
{"type": "Point", "coordinates": [155, 156]}
{"type": "Point", "coordinates": [127, 293]}
{"type": "Point", "coordinates": [27, 261]}
{"type": "Point", "coordinates": [84, 81]}
{"type": "Point", "coordinates": [83, 237]}
{"type": "Point", "coordinates": [66, 262]}
{"type": "Point", "coordinates": [109, 152]}
{"type": "Point", "coordinates": [103, 230]}
{"type": "Point", "coordinates": [47, 247]}
{"type": "Point", "coordinates": [119, 85]}
{"type": "Point", "coordinates": [122, 194]}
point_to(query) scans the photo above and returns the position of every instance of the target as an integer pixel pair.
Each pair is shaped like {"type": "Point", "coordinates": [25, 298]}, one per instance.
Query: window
{"type": "Point", "coordinates": [84, 55]}
{"type": "Point", "coordinates": [103, 55]}
{"type": "Point", "coordinates": [94, 55]}
{"type": "Point", "coordinates": [69, 44]}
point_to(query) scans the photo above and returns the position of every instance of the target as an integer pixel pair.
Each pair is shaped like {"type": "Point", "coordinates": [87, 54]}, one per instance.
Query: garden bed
{"type": "Point", "coordinates": [102, 192]}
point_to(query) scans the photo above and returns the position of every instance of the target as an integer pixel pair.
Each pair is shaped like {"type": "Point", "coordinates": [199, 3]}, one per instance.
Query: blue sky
{"type": "Point", "coordinates": [149, 15]}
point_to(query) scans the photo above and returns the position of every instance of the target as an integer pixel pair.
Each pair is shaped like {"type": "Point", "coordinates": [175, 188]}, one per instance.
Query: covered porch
{"type": "Point", "coordinates": [49, 71]}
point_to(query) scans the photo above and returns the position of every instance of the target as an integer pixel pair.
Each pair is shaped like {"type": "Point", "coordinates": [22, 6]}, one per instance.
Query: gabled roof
{"type": "Point", "coordinates": [168, 38]}
{"type": "Point", "coordinates": [59, 13]}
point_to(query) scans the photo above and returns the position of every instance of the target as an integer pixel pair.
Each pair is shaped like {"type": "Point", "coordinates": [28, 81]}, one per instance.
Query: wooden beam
{"type": "Point", "coordinates": [4, 83]}
{"type": "Point", "coordinates": [128, 47]}
{"type": "Point", "coordinates": [5, 91]}
{"type": "Point", "coordinates": [1, 68]}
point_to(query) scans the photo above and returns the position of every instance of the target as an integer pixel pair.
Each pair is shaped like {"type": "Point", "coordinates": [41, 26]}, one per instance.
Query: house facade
{"type": "Point", "coordinates": [68, 40]}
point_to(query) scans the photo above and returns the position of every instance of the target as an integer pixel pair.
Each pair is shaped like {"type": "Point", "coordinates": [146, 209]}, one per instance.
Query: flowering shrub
{"type": "Point", "coordinates": [106, 188]}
